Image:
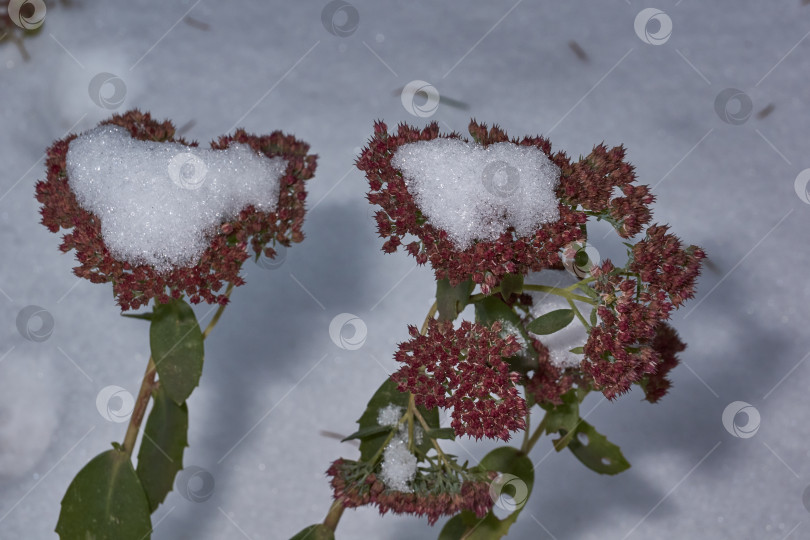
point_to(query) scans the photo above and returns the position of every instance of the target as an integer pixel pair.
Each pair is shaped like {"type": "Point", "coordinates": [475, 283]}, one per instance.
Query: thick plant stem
{"type": "Point", "coordinates": [144, 394]}
{"type": "Point", "coordinates": [333, 517]}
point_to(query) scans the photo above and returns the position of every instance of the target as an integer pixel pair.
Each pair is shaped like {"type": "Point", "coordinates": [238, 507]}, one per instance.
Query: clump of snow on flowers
{"type": "Point", "coordinates": [389, 415]}
{"type": "Point", "coordinates": [398, 464]}
{"type": "Point", "coordinates": [160, 203]}
{"type": "Point", "coordinates": [476, 193]}
{"type": "Point", "coordinates": [574, 335]}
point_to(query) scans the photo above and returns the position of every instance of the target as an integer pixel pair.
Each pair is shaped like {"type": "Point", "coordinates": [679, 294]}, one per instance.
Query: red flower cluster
{"type": "Point", "coordinates": [472, 496]}
{"type": "Point", "coordinates": [134, 286]}
{"type": "Point", "coordinates": [590, 183]}
{"type": "Point", "coordinates": [548, 382]}
{"type": "Point", "coordinates": [630, 343]}
{"type": "Point", "coordinates": [584, 186]}
{"type": "Point", "coordinates": [464, 369]}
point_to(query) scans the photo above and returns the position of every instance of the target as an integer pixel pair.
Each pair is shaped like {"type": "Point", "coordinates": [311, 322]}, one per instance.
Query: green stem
{"type": "Point", "coordinates": [565, 293]}
{"type": "Point", "coordinates": [578, 314]}
{"type": "Point", "coordinates": [333, 517]}
{"type": "Point", "coordinates": [529, 443]}
{"type": "Point", "coordinates": [215, 319]}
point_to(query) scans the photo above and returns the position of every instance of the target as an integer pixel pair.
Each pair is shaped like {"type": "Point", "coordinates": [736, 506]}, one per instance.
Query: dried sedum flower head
{"type": "Point", "coordinates": [354, 487]}
{"type": "Point", "coordinates": [135, 285]}
{"type": "Point", "coordinates": [585, 186]}
{"type": "Point", "coordinates": [464, 369]}
{"type": "Point", "coordinates": [632, 344]}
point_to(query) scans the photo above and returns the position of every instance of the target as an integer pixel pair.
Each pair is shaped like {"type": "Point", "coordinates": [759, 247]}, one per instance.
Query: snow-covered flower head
{"type": "Point", "coordinates": [225, 247]}
{"type": "Point", "coordinates": [494, 206]}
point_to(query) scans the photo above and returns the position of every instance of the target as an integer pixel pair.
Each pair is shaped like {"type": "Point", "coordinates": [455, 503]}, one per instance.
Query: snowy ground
{"type": "Point", "coordinates": [273, 377]}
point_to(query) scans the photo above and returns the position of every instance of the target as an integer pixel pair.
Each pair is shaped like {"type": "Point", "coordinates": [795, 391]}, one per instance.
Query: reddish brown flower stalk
{"type": "Point", "coordinates": [464, 369]}
{"type": "Point", "coordinates": [471, 495]}
{"type": "Point", "coordinates": [135, 285]}
{"type": "Point", "coordinates": [585, 188]}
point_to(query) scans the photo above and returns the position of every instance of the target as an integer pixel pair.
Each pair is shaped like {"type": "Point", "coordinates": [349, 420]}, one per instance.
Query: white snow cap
{"type": "Point", "coordinates": [476, 193]}
{"type": "Point", "coordinates": [574, 335]}
{"type": "Point", "coordinates": [161, 203]}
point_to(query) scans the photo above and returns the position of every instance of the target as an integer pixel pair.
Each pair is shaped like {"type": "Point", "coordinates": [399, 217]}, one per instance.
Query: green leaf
{"type": "Point", "coordinates": [551, 322]}
{"type": "Point", "coordinates": [563, 417]}
{"type": "Point", "coordinates": [386, 395]}
{"type": "Point", "coordinates": [368, 432]}
{"type": "Point", "coordinates": [452, 300]}
{"type": "Point", "coordinates": [511, 284]}
{"type": "Point", "coordinates": [105, 501]}
{"type": "Point", "coordinates": [577, 350]}
{"type": "Point", "coordinates": [177, 348]}
{"type": "Point", "coordinates": [315, 532]}
{"type": "Point", "coordinates": [442, 433]}
{"type": "Point", "coordinates": [517, 480]}
{"type": "Point", "coordinates": [596, 452]}
{"type": "Point", "coordinates": [593, 317]}
{"type": "Point", "coordinates": [145, 316]}
{"type": "Point", "coordinates": [164, 440]}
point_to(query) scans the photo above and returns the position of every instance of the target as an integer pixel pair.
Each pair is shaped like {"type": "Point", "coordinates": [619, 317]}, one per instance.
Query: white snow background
{"type": "Point", "coordinates": [274, 379]}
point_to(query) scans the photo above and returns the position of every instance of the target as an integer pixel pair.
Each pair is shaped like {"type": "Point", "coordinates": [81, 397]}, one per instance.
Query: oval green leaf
{"type": "Point", "coordinates": [161, 454]}
{"type": "Point", "coordinates": [105, 501]}
{"type": "Point", "coordinates": [551, 322]}
{"type": "Point", "coordinates": [315, 532]}
{"type": "Point", "coordinates": [177, 348]}
{"type": "Point", "coordinates": [596, 452]}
